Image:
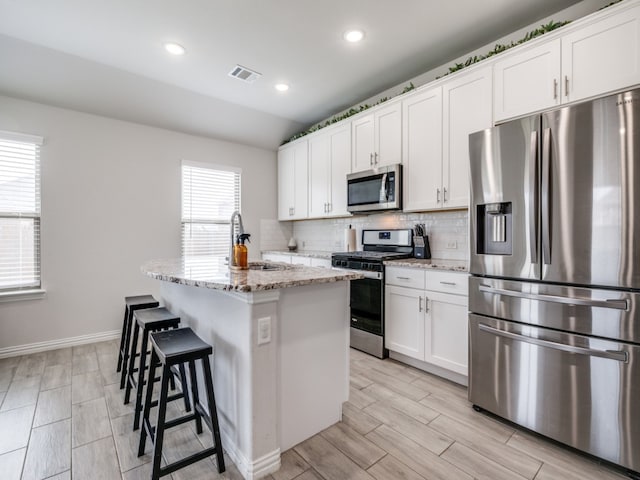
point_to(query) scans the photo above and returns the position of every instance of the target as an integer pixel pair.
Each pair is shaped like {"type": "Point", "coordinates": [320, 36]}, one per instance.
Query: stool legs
{"type": "Point", "coordinates": [140, 384]}
{"type": "Point", "coordinates": [122, 339]}
{"type": "Point", "coordinates": [125, 345]}
{"type": "Point", "coordinates": [132, 361]}
{"type": "Point", "coordinates": [196, 396]}
{"type": "Point", "coordinates": [162, 411]}
{"type": "Point", "coordinates": [146, 424]}
{"type": "Point", "coordinates": [213, 413]}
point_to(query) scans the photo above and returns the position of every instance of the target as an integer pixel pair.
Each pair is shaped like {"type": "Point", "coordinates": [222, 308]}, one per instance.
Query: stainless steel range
{"type": "Point", "coordinates": [367, 295]}
{"type": "Point", "coordinates": [555, 259]}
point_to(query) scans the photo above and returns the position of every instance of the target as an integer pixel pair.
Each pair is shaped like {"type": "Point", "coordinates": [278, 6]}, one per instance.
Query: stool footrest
{"type": "Point", "coordinates": [196, 457]}
{"type": "Point", "coordinates": [179, 421]}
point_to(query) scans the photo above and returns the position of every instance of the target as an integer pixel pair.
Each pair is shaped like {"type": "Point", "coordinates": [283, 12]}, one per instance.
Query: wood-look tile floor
{"type": "Point", "coordinates": [62, 417]}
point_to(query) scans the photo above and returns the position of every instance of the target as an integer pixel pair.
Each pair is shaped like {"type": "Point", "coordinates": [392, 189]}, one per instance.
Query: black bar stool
{"type": "Point", "coordinates": [150, 320]}
{"type": "Point", "coordinates": [131, 304]}
{"type": "Point", "coordinates": [170, 348]}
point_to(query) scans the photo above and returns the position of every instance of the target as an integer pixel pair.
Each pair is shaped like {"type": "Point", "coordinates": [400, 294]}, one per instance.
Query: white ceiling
{"type": "Point", "coordinates": [106, 57]}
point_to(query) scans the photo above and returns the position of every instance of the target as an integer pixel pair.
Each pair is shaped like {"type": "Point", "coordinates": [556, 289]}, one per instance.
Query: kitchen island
{"type": "Point", "coordinates": [280, 336]}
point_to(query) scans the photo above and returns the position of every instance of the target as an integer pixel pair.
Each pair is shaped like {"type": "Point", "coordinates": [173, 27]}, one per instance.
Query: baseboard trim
{"type": "Point", "coordinates": [434, 369]}
{"type": "Point", "coordinates": [60, 343]}
{"type": "Point", "coordinates": [251, 470]}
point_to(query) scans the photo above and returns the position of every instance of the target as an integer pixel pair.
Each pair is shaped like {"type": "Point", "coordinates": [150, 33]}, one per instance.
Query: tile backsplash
{"type": "Point", "coordinates": [448, 232]}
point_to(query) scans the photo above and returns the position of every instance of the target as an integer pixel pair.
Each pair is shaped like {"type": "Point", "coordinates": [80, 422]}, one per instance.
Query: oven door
{"type": "Point", "coordinates": [366, 304]}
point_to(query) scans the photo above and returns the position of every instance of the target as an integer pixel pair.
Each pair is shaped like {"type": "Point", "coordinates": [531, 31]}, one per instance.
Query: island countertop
{"type": "Point", "coordinates": [212, 272]}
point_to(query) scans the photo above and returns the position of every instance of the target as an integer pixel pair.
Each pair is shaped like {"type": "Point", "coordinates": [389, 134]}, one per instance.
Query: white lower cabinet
{"type": "Point", "coordinates": [428, 325]}
{"type": "Point", "coordinates": [297, 260]}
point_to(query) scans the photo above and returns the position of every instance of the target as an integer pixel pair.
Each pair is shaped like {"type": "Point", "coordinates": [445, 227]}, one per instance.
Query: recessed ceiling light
{"type": "Point", "coordinates": [282, 87]}
{"type": "Point", "coordinates": [353, 36]}
{"type": "Point", "coordinates": [174, 48]}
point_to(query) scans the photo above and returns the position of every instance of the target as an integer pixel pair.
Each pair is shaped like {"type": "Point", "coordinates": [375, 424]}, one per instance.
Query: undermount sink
{"type": "Point", "coordinates": [266, 266]}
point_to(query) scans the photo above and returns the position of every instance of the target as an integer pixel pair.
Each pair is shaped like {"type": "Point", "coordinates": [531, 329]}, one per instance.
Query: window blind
{"type": "Point", "coordinates": [19, 211]}
{"type": "Point", "coordinates": [210, 195]}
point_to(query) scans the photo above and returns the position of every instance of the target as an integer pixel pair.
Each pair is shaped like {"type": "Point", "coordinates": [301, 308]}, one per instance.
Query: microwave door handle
{"type": "Point", "coordinates": [384, 189]}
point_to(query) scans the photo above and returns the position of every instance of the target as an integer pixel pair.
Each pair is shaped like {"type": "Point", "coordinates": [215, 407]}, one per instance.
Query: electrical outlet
{"type": "Point", "coordinates": [264, 330]}
{"type": "Point", "coordinates": [453, 244]}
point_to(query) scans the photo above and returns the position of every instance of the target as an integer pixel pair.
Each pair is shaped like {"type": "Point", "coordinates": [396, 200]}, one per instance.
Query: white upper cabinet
{"type": "Point", "coordinates": [467, 105]}
{"type": "Point", "coordinates": [422, 149]}
{"type": "Point", "coordinates": [591, 60]}
{"type": "Point", "coordinates": [292, 181]}
{"type": "Point", "coordinates": [329, 163]}
{"type": "Point", "coordinates": [602, 57]}
{"type": "Point", "coordinates": [377, 138]}
{"type": "Point", "coordinates": [527, 81]}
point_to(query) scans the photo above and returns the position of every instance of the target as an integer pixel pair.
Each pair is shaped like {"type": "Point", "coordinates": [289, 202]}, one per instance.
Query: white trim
{"type": "Point", "coordinates": [212, 166]}
{"type": "Point", "coordinates": [60, 343]}
{"type": "Point", "coordinates": [430, 368]}
{"type": "Point", "coordinates": [16, 295]}
{"type": "Point", "coordinates": [21, 137]}
{"type": "Point", "coordinates": [256, 298]}
{"type": "Point", "coordinates": [259, 468]}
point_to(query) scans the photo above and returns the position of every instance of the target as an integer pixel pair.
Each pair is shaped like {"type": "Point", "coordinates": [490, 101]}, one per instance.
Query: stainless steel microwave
{"type": "Point", "coordinates": [375, 190]}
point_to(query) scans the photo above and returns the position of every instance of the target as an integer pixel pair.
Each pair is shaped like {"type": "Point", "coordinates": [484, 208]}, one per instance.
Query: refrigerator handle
{"type": "Point", "coordinates": [618, 355]}
{"type": "Point", "coordinates": [617, 304]}
{"type": "Point", "coordinates": [533, 198]}
{"type": "Point", "coordinates": [546, 223]}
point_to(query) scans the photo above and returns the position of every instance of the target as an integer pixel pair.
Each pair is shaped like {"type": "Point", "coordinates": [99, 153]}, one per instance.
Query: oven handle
{"type": "Point", "coordinates": [618, 355]}
{"type": "Point", "coordinates": [612, 303]}
{"type": "Point", "coordinates": [365, 273]}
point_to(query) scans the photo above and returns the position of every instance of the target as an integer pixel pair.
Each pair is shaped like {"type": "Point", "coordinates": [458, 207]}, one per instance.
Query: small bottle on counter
{"type": "Point", "coordinates": [240, 252]}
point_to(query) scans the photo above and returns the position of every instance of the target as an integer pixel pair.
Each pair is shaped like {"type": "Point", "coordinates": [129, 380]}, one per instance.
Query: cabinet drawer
{"type": "Point", "coordinates": [448, 282]}
{"type": "Point", "coordinates": [405, 277]}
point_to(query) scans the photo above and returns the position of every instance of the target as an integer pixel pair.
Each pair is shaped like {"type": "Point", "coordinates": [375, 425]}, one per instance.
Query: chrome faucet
{"type": "Point", "coordinates": [234, 215]}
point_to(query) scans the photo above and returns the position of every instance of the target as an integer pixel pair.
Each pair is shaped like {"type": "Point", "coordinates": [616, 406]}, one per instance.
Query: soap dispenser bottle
{"type": "Point", "coordinates": [240, 251]}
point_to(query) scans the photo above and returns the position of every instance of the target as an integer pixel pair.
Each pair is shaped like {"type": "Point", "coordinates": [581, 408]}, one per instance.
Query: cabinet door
{"type": "Point", "coordinates": [404, 321]}
{"type": "Point", "coordinates": [319, 171]}
{"type": "Point", "coordinates": [422, 149]}
{"type": "Point", "coordinates": [300, 181]}
{"type": "Point", "coordinates": [467, 107]}
{"type": "Point", "coordinates": [447, 331]}
{"type": "Point", "coordinates": [340, 167]}
{"type": "Point", "coordinates": [276, 257]}
{"type": "Point", "coordinates": [527, 82]}
{"type": "Point", "coordinates": [602, 57]}
{"type": "Point", "coordinates": [388, 135]}
{"type": "Point", "coordinates": [286, 179]}
{"type": "Point", "coordinates": [362, 134]}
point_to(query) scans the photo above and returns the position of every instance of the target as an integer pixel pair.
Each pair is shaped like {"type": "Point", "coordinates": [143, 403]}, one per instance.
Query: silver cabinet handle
{"type": "Point", "coordinates": [444, 195]}
{"type": "Point", "coordinates": [618, 355]}
{"type": "Point", "coordinates": [566, 85]}
{"type": "Point", "coordinates": [403, 278]}
{"type": "Point", "coordinates": [419, 304]}
{"type": "Point", "coordinates": [555, 88]}
{"type": "Point", "coordinates": [453, 284]}
{"type": "Point", "coordinates": [438, 195]}
{"type": "Point", "coordinates": [329, 207]}
{"type": "Point", "coordinates": [371, 159]}
{"type": "Point", "coordinates": [532, 198]}
{"type": "Point", "coordinates": [426, 304]}
{"type": "Point", "coordinates": [616, 304]}
{"type": "Point", "coordinates": [546, 213]}
{"type": "Point", "coordinates": [375, 158]}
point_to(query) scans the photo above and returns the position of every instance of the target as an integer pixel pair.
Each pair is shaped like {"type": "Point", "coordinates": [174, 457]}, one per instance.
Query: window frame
{"type": "Point", "coordinates": [29, 292]}
{"type": "Point", "coordinates": [208, 166]}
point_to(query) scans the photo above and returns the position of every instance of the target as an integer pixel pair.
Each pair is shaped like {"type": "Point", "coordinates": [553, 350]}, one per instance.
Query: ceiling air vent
{"type": "Point", "coordinates": [245, 74]}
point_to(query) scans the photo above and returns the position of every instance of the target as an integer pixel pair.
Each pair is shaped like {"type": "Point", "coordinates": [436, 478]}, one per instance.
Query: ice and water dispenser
{"type": "Point", "coordinates": [494, 229]}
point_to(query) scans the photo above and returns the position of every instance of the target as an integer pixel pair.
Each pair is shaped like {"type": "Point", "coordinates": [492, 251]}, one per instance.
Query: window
{"type": "Point", "coordinates": [19, 212]}
{"type": "Point", "coordinates": [210, 195]}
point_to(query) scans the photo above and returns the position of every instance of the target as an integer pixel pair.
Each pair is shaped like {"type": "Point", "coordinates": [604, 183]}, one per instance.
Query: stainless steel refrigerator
{"type": "Point", "coordinates": [555, 264]}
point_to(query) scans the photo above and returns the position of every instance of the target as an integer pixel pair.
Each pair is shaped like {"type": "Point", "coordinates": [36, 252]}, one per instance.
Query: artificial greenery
{"type": "Point", "coordinates": [498, 48]}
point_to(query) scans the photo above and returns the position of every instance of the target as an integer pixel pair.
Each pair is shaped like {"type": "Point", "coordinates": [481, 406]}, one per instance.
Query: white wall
{"type": "Point", "coordinates": [110, 201]}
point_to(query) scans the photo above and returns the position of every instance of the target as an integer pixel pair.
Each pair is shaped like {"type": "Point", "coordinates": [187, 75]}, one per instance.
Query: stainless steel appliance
{"type": "Point", "coordinates": [555, 264]}
{"type": "Point", "coordinates": [375, 190]}
{"type": "Point", "coordinates": [367, 294]}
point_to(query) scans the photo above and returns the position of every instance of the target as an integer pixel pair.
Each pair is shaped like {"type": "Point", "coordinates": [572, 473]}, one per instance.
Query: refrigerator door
{"type": "Point", "coordinates": [573, 388]}
{"type": "Point", "coordinates": [590, 190]}
{"type": "Point", "coordinates": [504, 200]}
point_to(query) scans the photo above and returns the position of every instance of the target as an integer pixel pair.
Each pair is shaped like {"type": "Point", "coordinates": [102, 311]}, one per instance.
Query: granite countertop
{"type": "Point", "coordinates": [211, 272]}
{"type": "Point", "coordinates": [302, 253]}
{"type": "Point", "coordinates": [433, 263]}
